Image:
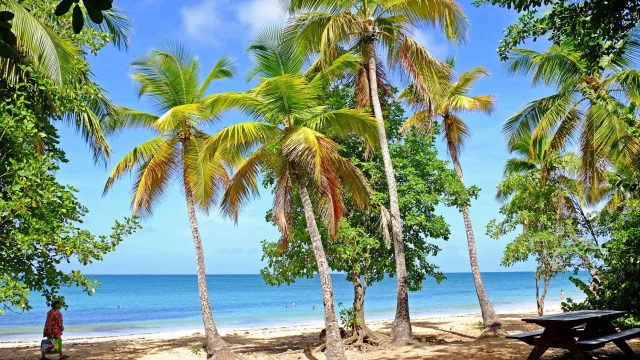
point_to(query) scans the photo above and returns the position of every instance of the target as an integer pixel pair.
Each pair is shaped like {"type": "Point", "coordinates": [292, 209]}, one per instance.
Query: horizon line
{"type": "Point", "coordinates": [333, 273]}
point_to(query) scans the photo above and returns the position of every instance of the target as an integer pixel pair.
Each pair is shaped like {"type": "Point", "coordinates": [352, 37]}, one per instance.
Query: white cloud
{"type": "Point", "coordinates": [256, 14]}
{"type": "Point", "coordinates": [200, 19]}
{"type": "Point", "coordinates": [430, 42]}
{"type": "Point", "coordinates": [209, 21]}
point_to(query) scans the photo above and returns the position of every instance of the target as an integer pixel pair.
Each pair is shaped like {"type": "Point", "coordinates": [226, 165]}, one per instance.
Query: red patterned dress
{"type": "Point", "coordinates": [53, 327]}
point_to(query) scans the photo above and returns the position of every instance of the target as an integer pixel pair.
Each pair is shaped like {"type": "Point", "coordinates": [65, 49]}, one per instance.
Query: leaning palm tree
{"type": "Point", "coordinates": [168, 76]}
{"type": "Point", "coordinates": [452, 102]}
{"type": "Point", "coordinates": [325, 27]}
{"type": "Point", "coordinates": [581, 108]}
{"type": "Point", "coordinates": [287, 141]}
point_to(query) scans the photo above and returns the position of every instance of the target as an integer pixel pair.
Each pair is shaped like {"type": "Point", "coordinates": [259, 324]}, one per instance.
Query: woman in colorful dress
{"type": "Point", "coordinates": [53, 327]}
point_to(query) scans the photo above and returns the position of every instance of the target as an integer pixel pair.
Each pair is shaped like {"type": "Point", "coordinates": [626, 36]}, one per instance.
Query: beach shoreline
{"type": "Point", "coordinates": [262, 331]}
{"type": "Point", "coordinates": [436, 337]}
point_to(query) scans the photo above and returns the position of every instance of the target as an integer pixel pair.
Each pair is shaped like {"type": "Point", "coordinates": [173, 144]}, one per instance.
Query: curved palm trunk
{"type": "Point", "coordinates": [490, 320]}
{"type": "Point", "coordinates": [401, 331]}
{"type": "Point", "coordinates": [216, 347]}
{"type": "Point", "coordinates": [335, 349]}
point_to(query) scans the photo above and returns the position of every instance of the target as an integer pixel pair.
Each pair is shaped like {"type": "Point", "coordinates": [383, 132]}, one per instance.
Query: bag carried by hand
{"type": "Point", "coordinates": [51, 346]}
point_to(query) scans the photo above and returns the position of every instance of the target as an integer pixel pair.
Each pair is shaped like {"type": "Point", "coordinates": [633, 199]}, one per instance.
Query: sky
{"type": "Point", "coordinates": [211, 28]}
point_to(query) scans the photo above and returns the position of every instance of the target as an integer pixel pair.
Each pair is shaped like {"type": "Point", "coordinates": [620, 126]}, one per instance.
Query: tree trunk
{"type": "Point", "coordinates": [217, 349]}
{"type": "Point", "coordinates": [490, 320]}
{"type": "Point", "coordinates": [540, 299]}
{"type": "Point", "coordinates": [358, 300]}
{"type": "Point", "coordinates": [361, 333]}
{"type": "Point", "coordinates": [401, 331]}
{"type": "Point", "coordinates": [335, 349]}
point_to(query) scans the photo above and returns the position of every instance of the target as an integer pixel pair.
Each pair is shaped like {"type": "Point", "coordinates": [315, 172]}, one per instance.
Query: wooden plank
{"type": "Point", "coordinates": [528, 337]}
{"type": "Point", "coordinates": [570, 319]}
{"type": "Point", "coordinates": [601, 340]}
{"type": "Point", "coordinates": [525, 335]}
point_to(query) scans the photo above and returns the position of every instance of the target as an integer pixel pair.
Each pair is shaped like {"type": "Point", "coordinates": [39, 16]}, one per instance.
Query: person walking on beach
{"type": "Point", "coordinates": [561, 294]}
{"type": "Point", "coordinates": [53, 327]}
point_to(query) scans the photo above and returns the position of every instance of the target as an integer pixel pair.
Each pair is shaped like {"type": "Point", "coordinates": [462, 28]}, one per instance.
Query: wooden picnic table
{"type": "Point", "coordinates": [592, 329]}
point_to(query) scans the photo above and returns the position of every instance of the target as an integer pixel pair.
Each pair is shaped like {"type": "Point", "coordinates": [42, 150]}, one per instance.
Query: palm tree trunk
{"type": "Point", "coordinates": [401, 331]}
{"type": "Point", "coordinates": [216, 347]}
{"type": "Point", "coordinates": [490, 320]}
{"type": "Point", "coordinates": [335, 349]}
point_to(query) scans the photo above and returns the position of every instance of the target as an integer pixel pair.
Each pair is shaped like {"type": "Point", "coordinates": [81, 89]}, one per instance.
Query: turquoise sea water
{"type": "Point", "coordinates": [168, 302]}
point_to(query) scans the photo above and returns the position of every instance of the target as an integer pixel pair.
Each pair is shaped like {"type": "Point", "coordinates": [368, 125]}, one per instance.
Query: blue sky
{"type": "Point", "coordinates": [211, 28]}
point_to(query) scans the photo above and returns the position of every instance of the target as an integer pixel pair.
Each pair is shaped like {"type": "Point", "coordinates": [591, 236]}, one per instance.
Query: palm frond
{"type": "Point", "coordinates": [179, 118]}
{"type": "Point", "coordinates": [446, 14]}
{"type": "Point", "coordinates": [49, 54]}
{"type": "Point", "coordinates": [456, 132]}
{"type": "Point", "coordinates": [128, 118]}
{"type": "Point", "coordinates": [421, 122]}
{"type": "Point", "coordinates": [557, 67]}
{"type": "Point", "coordinates": [345, 122]}
{"type": "Point", "coordinates": [273, 54]}
{"type": "Point", "coordinates": [139, 155]}
{"type": "Point", "coordinates": [224, 69]}
{"type": "Point", "coordinates": [206, 176]}
{"type": "Point", "coordinates": [153, 177]}
{"type": "Point", "coordinates": [243, 186]}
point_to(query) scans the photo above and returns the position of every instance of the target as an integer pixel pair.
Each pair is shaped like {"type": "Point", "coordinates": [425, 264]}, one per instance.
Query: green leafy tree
{"type": "Point", "coordinates": [618, 282]}
{"type": "Point", "coordinates": [362, 250]}
{"type": "Point", "coordinates": [40, 218]}
{"type": "Point", "coordinates": [169, 78]}
{"type": "Point", "coordinates": [546, 236]}
{"type": "Point", "coordinates": [288, 141]}
{"type": "Point", "coordinates": [47, 44]}
{"type": "Point", "coordinates": [368, 26]}
{"type": "Point", "coordinates": [574, 112]}
{"type": "Point", "coordinates": [448, 106]}
{"type": "Point", "coordinates": [597, 28]}
{"type": "Point", "coordinates": [543, 197]}
{"type": "Point", "coordinates": [558, 169]}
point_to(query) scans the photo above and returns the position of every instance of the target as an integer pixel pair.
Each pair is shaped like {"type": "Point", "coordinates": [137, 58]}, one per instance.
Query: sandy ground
{"type": "Point", "coordinates": [438, 337]}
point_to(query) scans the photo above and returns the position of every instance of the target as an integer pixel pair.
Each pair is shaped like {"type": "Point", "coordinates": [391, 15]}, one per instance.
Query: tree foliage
{"type": "Point", "coordinates": [361, 247]}
{"type": "Point", "coordinates": [597, 28]}
{"type": "Point", "coordinates": [548, 236]}
{"type": "Point", "coordinates": [39, 217]}
{"type": "Point", "coordinates": [581, 112]}
{"type": "Point", "coordinates": [618, 283]}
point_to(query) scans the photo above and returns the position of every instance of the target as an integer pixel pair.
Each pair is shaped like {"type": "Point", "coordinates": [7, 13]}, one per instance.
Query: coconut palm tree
{"type": "Point", "coordinates": [169, 78]}
{"type": "Point", "coordinates": [287, 141]}
{"type": "Point", "coordinates": [367, 26]}
{"type": "Point", "coordinates": [451, 103]}
{"type": "Point", "coordinates": [581, 108]}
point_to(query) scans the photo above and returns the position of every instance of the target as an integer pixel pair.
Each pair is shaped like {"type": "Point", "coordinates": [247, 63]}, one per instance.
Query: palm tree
{"type": "Point", "coordinates": [168, 77]}
{"type": "Point", "coordinates": [453, 101]}
{"type": "Point", "coordinates": [287, 142]}
{"type": "Point", "coordinates": [539, 159]}
{"type": "Point", "coordinates": [577, 110]}
{"type": "Point", "coordinates": [364, 26]}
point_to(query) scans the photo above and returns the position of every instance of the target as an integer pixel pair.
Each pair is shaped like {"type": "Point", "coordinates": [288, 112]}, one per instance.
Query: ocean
{"type": "Point", "coordinates": [154, 303]}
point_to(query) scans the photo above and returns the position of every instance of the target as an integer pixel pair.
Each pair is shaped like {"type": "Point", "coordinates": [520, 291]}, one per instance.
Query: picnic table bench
{"type": "Point", "coordinates": [592, 329]}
